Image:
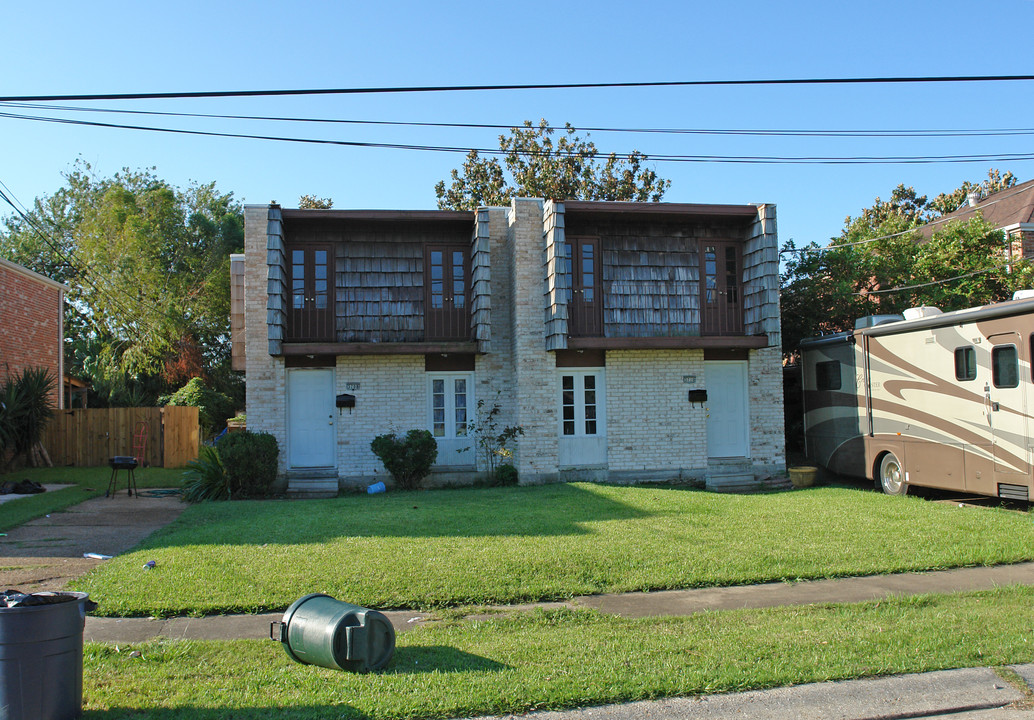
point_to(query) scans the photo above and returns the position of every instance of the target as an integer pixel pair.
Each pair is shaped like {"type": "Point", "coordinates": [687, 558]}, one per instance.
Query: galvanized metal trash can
{"type": "Point", "coordinates": [41, 659]}
{"type": "Point", "coordinates": [319, 630]}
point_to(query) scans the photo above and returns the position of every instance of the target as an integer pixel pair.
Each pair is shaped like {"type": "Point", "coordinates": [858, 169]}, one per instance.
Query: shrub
{"type": "Point", "coordinates": [206, 479]}
{"type": "Point", "coordinates": [250, 462]}
{"type": "Point", "coordinates": [25, 409]}
{"type": "Point", "coordinates": [504, 475]}
{"type": "Point", "coordinates": [213, 406]}
{"type": "Point", "coordinates": [408, 459]}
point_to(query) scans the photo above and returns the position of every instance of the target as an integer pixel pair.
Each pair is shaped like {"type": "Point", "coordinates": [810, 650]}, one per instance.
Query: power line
{"type": "Point", "coordinates": [529, 86]}
{"type": "Point", "coordinates": [999, 196]}
{"type": "Point", "coordinates": [846, 133]}
{"type": "Point", "coordinates": [74, 263]}
{"type": "Point", "coordinates": [928, 284]}
{"type": "Point", "coordinates": [733, 159]}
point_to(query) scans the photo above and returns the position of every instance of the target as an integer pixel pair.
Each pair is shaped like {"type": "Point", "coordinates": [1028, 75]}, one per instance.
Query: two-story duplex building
{"type": "Point", "coordinates": [630, 341]}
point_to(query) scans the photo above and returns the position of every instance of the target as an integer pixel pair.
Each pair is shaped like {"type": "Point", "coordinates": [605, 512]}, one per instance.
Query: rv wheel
{"type": "Point", "coordinates": [891, 479]}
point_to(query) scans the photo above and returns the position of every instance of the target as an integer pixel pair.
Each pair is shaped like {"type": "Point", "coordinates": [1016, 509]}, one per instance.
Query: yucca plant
{"type": "Point", "coordinates": [207, 478]}
{"type": "Point", "coordinates": [27, 406]}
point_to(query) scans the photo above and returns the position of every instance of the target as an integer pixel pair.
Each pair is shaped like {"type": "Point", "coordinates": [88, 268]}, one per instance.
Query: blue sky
{"type": "Point", "coordinates": [112, 47]}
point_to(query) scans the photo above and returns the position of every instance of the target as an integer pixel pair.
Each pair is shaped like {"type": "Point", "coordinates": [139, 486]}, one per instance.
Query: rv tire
{"type": "Point", "coordinates": [890, 477]}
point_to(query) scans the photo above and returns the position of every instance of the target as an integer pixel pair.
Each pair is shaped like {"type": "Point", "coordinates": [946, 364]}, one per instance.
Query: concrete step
{"type": "Point", "coordinates": [312, 483]}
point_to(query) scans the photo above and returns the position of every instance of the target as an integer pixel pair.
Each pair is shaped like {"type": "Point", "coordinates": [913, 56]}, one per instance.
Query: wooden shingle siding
{"type": "Point", "coordinates": [276, 262]}
{"type": "Point", "coordinates": [378, 275]}
{"type": "Point", "coordinates": [761, 277]}
{"type": "Point", "coordinates": [556, 278]}
{"type": "Point", "coordinates": [481, 283]}
{"type": "Point", "coordinates": [379, 291]}
{"type": "Point", "coordinates": [651, 283]}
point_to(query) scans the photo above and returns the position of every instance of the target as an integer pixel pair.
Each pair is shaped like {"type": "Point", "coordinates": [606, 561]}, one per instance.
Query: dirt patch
{"type": "Point", "coordinates": [47, 553]}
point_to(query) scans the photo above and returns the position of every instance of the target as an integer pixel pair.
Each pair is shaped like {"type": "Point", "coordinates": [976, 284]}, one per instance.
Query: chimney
{"type": "Point", "coordinates": [973, 198]}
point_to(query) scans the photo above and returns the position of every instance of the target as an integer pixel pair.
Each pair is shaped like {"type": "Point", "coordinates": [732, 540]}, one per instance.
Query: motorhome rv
{"type": "Point", "coordinates": [932, 399]}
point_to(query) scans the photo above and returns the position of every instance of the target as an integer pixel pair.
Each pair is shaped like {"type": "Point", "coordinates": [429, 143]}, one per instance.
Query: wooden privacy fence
{"type": "Point", "coordinates": [88, 438]}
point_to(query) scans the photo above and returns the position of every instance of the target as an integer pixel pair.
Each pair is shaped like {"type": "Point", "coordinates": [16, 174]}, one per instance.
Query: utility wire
{"type": "Point", "coordinates": [733, 159]}
{"type": "Point", "coordinates": [999, 196]}
{"type": "Point", "coordinates": [928, 284]}
{"type": "Point", "coordinates": [932, 133]}
{"type": "Point", "coordinates": [529, 86]}
{"type": "Point", "coordinates": [73, 262]}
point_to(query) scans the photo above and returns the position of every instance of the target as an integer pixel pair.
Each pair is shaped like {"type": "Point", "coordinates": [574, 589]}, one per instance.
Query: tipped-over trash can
{"type": "Point", "coordinates": [319, 630]}
{"type": "Point", "coordinates": [41, 655]}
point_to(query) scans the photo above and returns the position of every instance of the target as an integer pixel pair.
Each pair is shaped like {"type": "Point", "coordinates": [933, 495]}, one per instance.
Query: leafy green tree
{"type": "Point", "coordinates": [880, 264]}
{"type": "Point", "coordinates": [949, 202]}
{"type": "Point", "coordinates": [311, 202]}
{"type": "Point", "coordinates": [534, 165]}
{"type": "Point", "coordinates": [148, 266]}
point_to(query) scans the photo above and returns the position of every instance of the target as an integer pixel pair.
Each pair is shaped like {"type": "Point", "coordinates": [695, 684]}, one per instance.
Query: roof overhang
{"type": "Point", "coordinates": [21, 270]}
{"type": "Point", "coordinates": [660, 211]}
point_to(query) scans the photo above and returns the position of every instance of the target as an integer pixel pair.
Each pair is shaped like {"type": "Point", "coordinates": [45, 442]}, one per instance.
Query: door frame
{"type": "Point", "coordinates": [332, 441]}
{"type": "Point", "coordinates": [744, 365]}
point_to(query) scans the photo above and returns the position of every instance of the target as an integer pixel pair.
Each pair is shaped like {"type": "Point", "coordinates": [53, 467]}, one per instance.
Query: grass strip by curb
{"type": "Point", "coordinates": [564, 658]}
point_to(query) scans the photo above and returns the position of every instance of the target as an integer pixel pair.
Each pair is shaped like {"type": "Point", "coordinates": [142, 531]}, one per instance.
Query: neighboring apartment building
{"type": "Point", "coordinates": [32, 332]}
{"type": "Point", "coordinates": [630, 341]}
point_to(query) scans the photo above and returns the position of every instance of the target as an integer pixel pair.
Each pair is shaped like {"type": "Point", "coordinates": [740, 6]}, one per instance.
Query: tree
{"type": "Point", "coordinates": [880, 264]}
{"type": "Point", "coordinates": [535, 166]}
{"type": "Point", "coordinates": [311, 202]}
{"type": "Point", "coordinates": [148, 264]}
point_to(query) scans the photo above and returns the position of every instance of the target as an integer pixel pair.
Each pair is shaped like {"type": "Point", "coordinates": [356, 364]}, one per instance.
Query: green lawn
{"type": "Point", "coordinates": [563, 659]}
{"type": "Point", "coordinates": [505, 545]}
{"type": "Point", "coordinates": [85, 483]}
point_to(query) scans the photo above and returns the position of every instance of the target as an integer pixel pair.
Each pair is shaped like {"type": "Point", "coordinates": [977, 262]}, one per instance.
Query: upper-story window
{"type": "Point", "coordinates": [581, 264]}
{"type": "Point", "coordinates": [446, 290]}
{"type": "Point", "coordinates": [311, 300]}
{"type": "Point", "coordinates": [721, 308]}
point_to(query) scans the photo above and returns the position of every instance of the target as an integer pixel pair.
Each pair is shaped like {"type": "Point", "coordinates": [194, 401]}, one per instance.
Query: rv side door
{"type": "Point", "coordinates": [1005, 406]}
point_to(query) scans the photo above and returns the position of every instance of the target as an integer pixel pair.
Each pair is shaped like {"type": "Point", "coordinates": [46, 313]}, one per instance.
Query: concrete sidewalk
{"type": "Point", "coordinates": [970, 694]}
{"type": "Point", "coordinates": [671, 602]}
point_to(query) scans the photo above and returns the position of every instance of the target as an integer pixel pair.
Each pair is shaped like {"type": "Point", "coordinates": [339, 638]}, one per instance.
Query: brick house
{"type": "Point", "coordinates": [630, 341]}
{"type": "Point", "coordinates": [32, 332]}
{"type": "Point", "coordinates": [1010, 210]}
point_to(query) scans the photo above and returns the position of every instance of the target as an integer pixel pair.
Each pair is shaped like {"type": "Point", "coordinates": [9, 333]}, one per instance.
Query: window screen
{"type": "Point", "coordinates": [965, 363]}
{"type": "Point", "coordinates": [1005, 370]}
{"type": "Point", "coordinates": [827, 375]}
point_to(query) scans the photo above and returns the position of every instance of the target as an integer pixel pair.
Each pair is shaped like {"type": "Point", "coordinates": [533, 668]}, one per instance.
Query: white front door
{"type": "Point", "coordinates": [728, 418]}
{"type": "Point", "coordinates": [583, 418]}
{"type": "Point", "coordinates": [310, 417]}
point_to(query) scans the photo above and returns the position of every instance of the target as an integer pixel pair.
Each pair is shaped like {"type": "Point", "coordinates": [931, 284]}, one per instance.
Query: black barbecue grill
{"type": "Point", "coordinates": [122, 462]}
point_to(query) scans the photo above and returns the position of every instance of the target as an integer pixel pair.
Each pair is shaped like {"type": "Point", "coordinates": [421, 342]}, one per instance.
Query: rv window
{"type": "Point", "coordinates": [1005, 372]}
{"type": "Point", "coordinates": [827, 375]}
{"type": "Point", "coordinates": [965, 363]}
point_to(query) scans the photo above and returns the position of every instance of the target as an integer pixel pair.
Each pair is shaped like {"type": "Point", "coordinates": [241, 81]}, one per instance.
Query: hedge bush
{"type": "Point", "coordinates": [408, 459]}
{"type": "Point", "coordinates": [250, 462]}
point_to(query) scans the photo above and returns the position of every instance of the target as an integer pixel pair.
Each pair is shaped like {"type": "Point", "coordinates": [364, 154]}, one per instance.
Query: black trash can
{"type": "Point", "coordinates": [319, 630]}
{"type": "Point", "coordinates": [41, 658]}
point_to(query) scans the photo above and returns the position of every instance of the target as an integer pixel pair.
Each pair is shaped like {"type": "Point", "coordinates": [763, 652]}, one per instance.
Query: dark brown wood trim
{"type": "Point", "coordinates": [668, 210]}
{"type": "Point", "coordinates": [665, 343]}
{"type": "Point", "coordinates": [726, 354]}
{"type": "Point", "coordinates": [581, 358]}
{"type": "Point", "coordinates": [385, 348]}
{"type": "Point", "coordinates": [310, 361]}
{"type": "Point", "coordinates": [448, 362]}
{"type": "Point", "coordinates": [423, 216]}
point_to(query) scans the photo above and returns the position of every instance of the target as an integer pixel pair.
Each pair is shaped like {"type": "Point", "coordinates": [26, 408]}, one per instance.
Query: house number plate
{"type": "Point", "coordinates": [351, 386]}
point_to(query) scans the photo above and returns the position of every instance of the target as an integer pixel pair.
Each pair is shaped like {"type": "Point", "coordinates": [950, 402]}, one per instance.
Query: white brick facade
{"type": "Point", "coordinates": [653, 432]}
